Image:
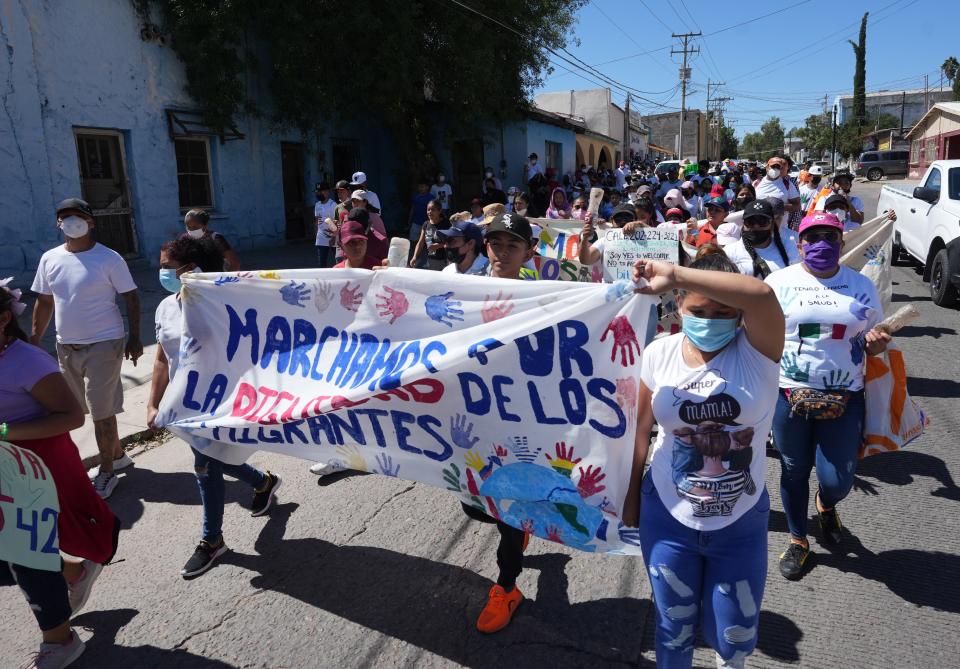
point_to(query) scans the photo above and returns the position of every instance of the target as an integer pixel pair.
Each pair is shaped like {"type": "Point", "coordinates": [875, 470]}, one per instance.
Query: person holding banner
{"type": "Point", "coordinates": [509, 244]}
{"type": "Point", "coordinates": [463, 242]}
{"type": "Point", "coordinates": [177, 258]}
{"type": "Point", "coordinates": [627, 217]}
{"type": "Point", "coordinates": [37, 412]}
{"type": "Point", "coordinates": [760, 250]}
{"type": "Point", "coordinates": [831, 312]}
{"type": "Point", "coordinates": [702, 508]}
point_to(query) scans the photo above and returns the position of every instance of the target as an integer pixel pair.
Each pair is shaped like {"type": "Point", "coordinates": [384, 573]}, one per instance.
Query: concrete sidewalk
{"type": "Point", "coordinates": [132, 423]}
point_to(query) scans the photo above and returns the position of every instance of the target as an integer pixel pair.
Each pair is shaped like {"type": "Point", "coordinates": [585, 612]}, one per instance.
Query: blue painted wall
{"type": "Point", "coordinates": [83, 64]}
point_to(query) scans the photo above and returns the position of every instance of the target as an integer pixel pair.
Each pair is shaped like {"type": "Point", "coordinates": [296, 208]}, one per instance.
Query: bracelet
{"type": "Point", "coordinates": [4, 428]}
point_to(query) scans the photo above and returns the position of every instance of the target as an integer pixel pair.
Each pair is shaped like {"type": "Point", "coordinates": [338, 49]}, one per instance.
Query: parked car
{"type": "Point", "coordinates": [874, 165]}
{"type": "Point", "coordinates": [665, 165]}
{"type": "Point", "coordinates": [926, 227]}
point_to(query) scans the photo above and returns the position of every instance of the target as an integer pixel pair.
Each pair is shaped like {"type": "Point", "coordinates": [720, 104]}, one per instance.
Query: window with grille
{"type": "Point", "coordinates": [193, 173]}
{"type": "Point", "coordinates": [554, 155]}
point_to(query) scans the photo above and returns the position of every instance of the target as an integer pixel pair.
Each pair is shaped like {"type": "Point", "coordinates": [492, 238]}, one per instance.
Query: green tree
{"type": "Point", "coordinates": [951, 70]}
{"type": "Point", "coordinates": [816, 134]}
{"type": "Point", "coordinates": [860, 73]}
{"type": "Point", "coordinates": [728, 142]}
{"type": "Point", "coordinates": [402, 65]}
{"type": "Point", "coordinates": [766, 142]}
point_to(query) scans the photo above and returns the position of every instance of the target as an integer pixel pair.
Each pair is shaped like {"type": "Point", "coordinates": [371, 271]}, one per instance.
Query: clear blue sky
{"type": "Point", "coordinates": [781, 65]}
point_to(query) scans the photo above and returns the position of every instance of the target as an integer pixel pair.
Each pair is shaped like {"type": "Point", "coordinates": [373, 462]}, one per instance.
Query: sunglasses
{"type": "Point", "coordinates": [831, 236]}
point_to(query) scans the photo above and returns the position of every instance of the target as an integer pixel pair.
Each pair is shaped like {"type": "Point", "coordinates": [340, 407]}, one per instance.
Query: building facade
{"type": "Point", "coordinates": [665, 132]}
{"type": "Point", "coordinates": [911, 104]}
{"type": "Point", "coordinates": [114, 125]}
{"type": "Point", "coordinates": [936, 136]}
{"type": "Point", "coordinates": [600, 144]}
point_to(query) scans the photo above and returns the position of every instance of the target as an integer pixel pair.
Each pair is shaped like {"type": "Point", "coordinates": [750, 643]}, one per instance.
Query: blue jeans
{"type": "Point", "coordinates": [709, 580]}
{"type": "Point", "coordinates": [213, 491]}
{"type": "Point", "coordinates": [833, 445]}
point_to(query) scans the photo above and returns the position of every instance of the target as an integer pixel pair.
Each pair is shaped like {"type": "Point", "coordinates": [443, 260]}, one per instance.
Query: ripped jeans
{"type": "Point", "coordinates": [213, 490]}
{"type": "Point", "coordinates": [833, 445]}
{"type": "Point", "coordinates": [710, 581]}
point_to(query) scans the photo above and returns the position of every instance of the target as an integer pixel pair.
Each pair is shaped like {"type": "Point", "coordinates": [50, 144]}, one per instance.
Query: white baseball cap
{"type": "Point", "coordinates": [815, 171]}
{"type": "Point", "coordinates": [358, 195]}
{"type": "Point", "coordinates": [358, 178]}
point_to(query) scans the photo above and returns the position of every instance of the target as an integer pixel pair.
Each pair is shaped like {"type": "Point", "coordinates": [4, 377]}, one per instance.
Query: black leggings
{"type": "Point", "coordinates": [46, 593]}
{"type": "Point", "coordinates": [510, 550]}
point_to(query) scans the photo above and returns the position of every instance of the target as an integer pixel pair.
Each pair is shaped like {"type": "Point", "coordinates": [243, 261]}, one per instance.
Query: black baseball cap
{"type": "Point", "coordinates": [464, 229]}
{"type": "Point", "coordinates": [625, 209]}
{"type": "Point", "coordinates": [515, 224]}
{"type": "Point", "coordinates": [343, 183]}
{"type": "Point", "coordinates": [757, 208]}
{"type": "Point", "coordinates": [322, 185]}
{"type": "Point", "coordinates": [75, 204]}
{"type": "Point", "coordinates": [835, 201]}
{"type": "Point", "coordinates": [842, 173]}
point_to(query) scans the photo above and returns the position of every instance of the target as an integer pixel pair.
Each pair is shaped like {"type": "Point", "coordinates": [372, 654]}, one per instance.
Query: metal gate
{"type": "Point", "coordinates": [104, 185]}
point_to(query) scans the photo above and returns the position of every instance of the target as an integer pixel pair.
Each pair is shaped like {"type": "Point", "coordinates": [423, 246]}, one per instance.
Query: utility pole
{"type": "Point", "coordinates": [719, 104]}
{"type": "Point", "coordinates": [716, 148]}
{"type": "Point", "coordinates": [833, 144]}
{"type": "Point", "coordinates": [684, 77]}
{"type": "Point", "coordinates": [903, 103]}
{"type": "Point", "coordinates": [824, 103]}
{"type": "Point", "coordinates": [926, 94]}
{"type": "Point", "coordinates": [626, 133]}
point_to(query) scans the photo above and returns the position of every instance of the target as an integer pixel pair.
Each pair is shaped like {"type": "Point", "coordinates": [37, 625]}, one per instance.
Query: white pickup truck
{"type": "Point", "coordinates": [928, 227]}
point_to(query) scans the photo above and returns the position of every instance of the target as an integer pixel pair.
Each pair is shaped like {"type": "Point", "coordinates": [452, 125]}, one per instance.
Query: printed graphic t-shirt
{"type": "Point", "coordinates": [709, 459]}
{"type": "Point", "coordinates": [826, 323]}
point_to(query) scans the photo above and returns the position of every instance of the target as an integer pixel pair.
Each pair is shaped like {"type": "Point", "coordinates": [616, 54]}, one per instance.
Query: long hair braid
{"type": "Point", "coordinates": [761, 269]}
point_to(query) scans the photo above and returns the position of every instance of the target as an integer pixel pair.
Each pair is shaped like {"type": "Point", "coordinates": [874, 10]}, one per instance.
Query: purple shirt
{"type": "Point", "coordinates": [22, 365]}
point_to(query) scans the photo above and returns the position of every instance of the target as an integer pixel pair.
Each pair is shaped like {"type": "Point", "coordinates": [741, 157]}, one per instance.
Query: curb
{"type": "Point", "coordinates": [92, 461]}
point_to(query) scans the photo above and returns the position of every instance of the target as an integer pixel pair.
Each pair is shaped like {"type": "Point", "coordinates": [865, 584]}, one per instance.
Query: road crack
{"type": "Point", "coordinates": [376, 513]}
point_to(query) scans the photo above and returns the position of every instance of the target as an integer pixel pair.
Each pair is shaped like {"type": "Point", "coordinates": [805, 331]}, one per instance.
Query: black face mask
{"type": "Point", "coordinates": [756, 237]}
{"type": "Point", "coordinates": [815, 181]}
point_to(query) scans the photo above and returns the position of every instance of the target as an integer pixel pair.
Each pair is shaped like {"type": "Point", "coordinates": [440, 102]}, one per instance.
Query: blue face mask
{"type": "Point", "coordinates": [709, 334]}
{"type": "Point", "coordinates": [169, 280]}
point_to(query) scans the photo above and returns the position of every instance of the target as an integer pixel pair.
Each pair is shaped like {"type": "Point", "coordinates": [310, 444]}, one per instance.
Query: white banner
{"type": "Point", "coordinates": [519, 396]}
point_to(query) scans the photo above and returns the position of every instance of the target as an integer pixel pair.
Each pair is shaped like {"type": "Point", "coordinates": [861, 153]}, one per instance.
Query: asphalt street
{"type": "Point", "coordinates": [373, 571]}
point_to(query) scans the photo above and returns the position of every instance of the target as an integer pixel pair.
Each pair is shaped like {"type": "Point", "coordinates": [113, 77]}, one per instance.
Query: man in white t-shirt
{"type": "Point", "coordinates": [533, 167]}
{"type": "Point", "coordinates": [442, 191]}
{"type": "Point", "coordinates": [842, 182]}
{"type": "Point", "coordinates": [359, 182]}
{"type": "Point", "coordinates": [324, 209]}
{"type": "Point", "coordinates": [622, 173]}
{"type": "Point", "coordinates": [78, 283]}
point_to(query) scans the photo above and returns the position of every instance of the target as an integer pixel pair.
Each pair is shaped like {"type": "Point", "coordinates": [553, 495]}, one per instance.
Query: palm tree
{"type": "Point", "coordinates": [951, 70]}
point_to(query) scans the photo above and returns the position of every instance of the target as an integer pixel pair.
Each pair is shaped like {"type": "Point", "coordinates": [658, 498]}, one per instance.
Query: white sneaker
{"type": "Point", "coordinates": [323, 469]}
{"type": "Point", "coordinates": [104, 483]}
{"type": "Point", "coordinates": [122, 462]}
{"type": "Point", "coordinates": [79, 590]}
{"type": "Point", "coordinates": [57, 655]}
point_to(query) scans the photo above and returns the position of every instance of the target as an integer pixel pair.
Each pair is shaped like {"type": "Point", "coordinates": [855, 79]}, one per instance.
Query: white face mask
{"type": "Point", "coordinates": [488, 173]}
{"type": "Point", "coordinates": [74, 227]}
{"type": "Point", "coordinates": [533, 162]}
{"type": "Point", "coordinates": [441, 179]}
{"type": "Point", "coordinates": [195, 234]}
{"type": "Point", "coordinates": [773, 173]}
{"type": "Point", "coordinates": [522, 212]}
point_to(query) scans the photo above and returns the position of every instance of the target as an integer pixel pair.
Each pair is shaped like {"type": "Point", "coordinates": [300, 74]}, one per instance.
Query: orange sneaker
{"type": "Point", "coordinates": [499, 610]}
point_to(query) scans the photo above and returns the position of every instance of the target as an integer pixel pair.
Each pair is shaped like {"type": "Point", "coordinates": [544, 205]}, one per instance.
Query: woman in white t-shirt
{"type": "Point", "coordinates": [831, 312]}
{"type": "Point", "coordinates": [703, 516]}
{"type": "Point", "coordinates": [176, 259]}
{"type": "Point", "coordinates": [760, 250]}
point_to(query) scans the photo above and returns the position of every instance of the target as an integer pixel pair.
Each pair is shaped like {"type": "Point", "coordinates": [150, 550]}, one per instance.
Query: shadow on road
{"type": "Point", "coordinates": [925, 331]}
{"type": "Point", "coordinates": [102, 650]}
{"type": "Point", "coordinates": [922, 387]}
{"type": "Point", "coordinates": [434, 605]}
{"type": "Point", "coordinates": [902, 468]}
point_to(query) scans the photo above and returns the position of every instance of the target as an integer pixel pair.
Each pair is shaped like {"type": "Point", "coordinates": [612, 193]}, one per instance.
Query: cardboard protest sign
{"type": "Point", "coordinates": [620, 252]}
{"type": "Point", "coordinates": [28, 510]}
{"type": "Point", "coordinates": [518, 396]}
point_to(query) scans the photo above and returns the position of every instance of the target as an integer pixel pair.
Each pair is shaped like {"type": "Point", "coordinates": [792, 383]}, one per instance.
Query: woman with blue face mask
{"type": "Point", "coordinates": [177, 259]}
{"type": "Point", "coordinates": [831, 312]}
{"type": "Point", "coordinates": [702, 507]}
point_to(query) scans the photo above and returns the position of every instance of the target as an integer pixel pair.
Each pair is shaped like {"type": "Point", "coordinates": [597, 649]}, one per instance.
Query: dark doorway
{"type": "Point", "coordinates": [293, 189]}
{"type": "Point", "coordinates": [952, 148]}
{"type": "Point", "coordinates": [346, 159]}
{"type": "Point", "coordinates": [467, 172]}
{"type": "Point", "coordinates": [103, 184]}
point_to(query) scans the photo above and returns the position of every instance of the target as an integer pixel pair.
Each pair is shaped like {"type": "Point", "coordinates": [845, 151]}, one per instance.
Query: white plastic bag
{"type": "Point", "coordinates": [892, 418]}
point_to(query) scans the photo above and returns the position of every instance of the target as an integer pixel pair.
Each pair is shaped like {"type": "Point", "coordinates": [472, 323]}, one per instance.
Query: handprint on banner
{"type": "Point", "coordinates": [295, 294]}
{"type": "Point", "coordinates": [589, 483]}
{"type": "Point", "coordinates": [860, 307]}
{"type": "Point", "coordinates": [499, 308]}
{"type": "Point", "coordinates": [322, 296]}
{"type": "Point", "coordinates": [271, 274]}
{"type": "Point", "coordinates": [872, 251]}
{"type": "Point", "coordinates": [394, 304]}
{"type": "Point", "coordinates": [521, 450]}
{"type": "Point", "coordinates": [786, 296]}
{"type": "Point", "coordinates": [485, 468]}
{"type": "Point", "coordinates": [607, 507]}
{"type": "Point", "coordinates": [553, 534]}
{"type": "Point", "coordinates": [442, 309]}
{"type": "Point", "coordinates": [245, 275]}
{"type": "Point", "coordinates": [387, 467]}
{"type": "Point", "coordinates": [624, 340]}
{"type": "Point", "coordinates": [527, 526]}
{"type": "Point", "coordinates": [626, 397]}
{"type": "Point", "coordinates": [223, 278]}
{"type": "Point", "coordinates": [857, 346]}
{"type": "Point", "coordinates": [355, 459]}
{"type": "Point", "coordinates": [460, 432]}
{"type": "Point", "coordinates": [350, 298]}
{"type": "Point", "coordinates": [618, 290]}
{"type": "Point", "coordinates": [837, 380]}
{"type": "Point", "coordinates": [790, 369]}
{"type": "Point", "coordinates": [564, 462]}
{"type": "Point", "coordinates": [474, 489]}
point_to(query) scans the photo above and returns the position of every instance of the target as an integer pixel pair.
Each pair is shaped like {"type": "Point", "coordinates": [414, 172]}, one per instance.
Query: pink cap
{"type": "Point", "coordinates": [820, 219]}
{"type": "Point", "coordinates": [673, 212]}
{"type": "Point", "coordinates": [686, 184]}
